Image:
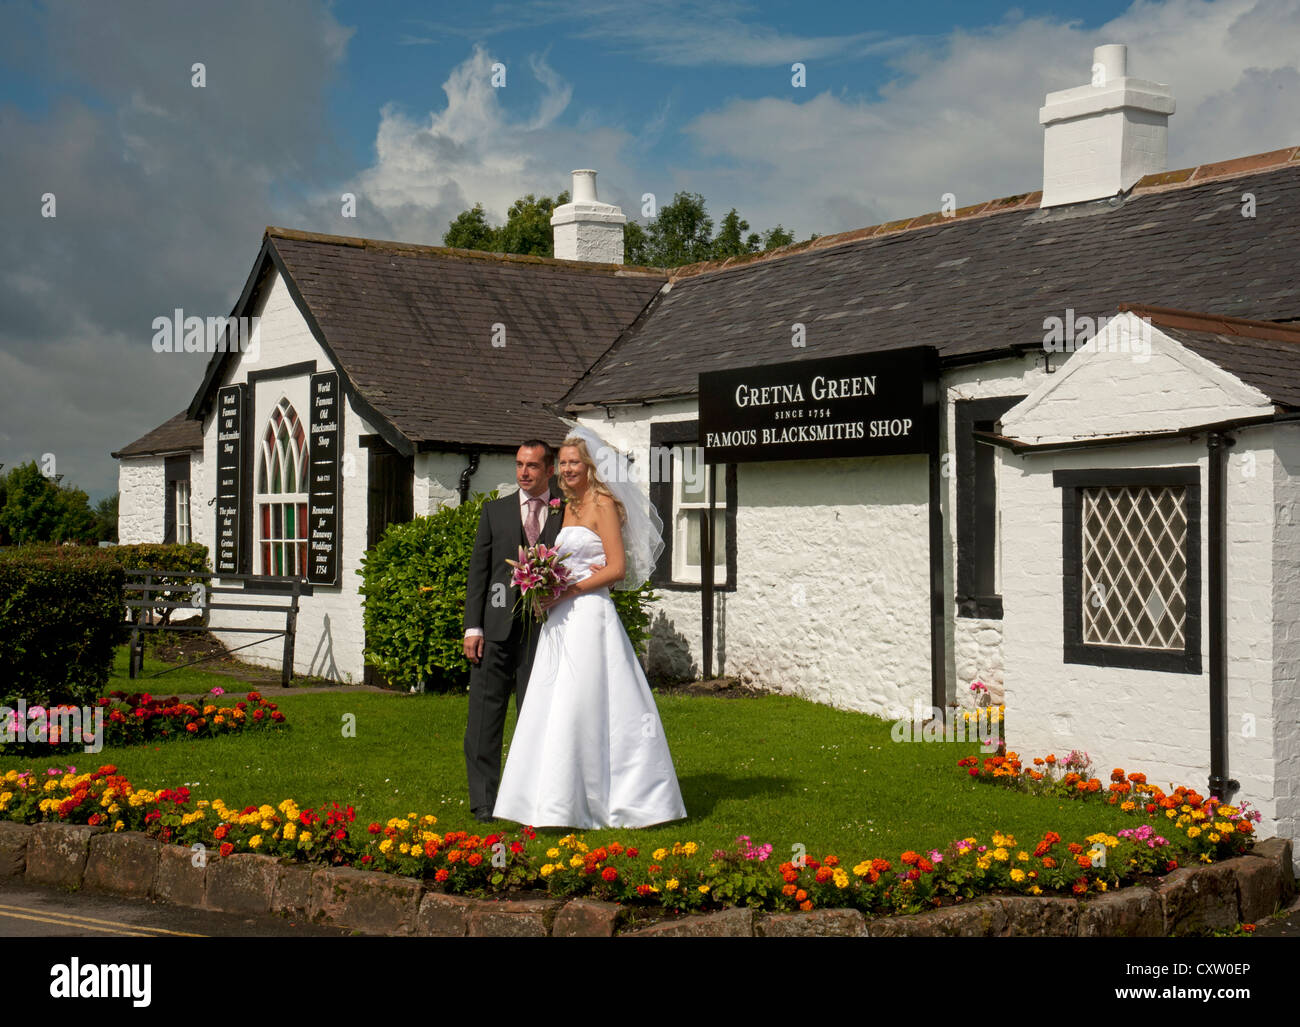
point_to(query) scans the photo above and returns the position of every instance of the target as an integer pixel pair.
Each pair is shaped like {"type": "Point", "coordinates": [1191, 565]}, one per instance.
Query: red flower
{"type": "Point", "coordinates": [221, 831]}
{"type": "Point", "coordinates": [442, 875]}
{"type": "Point", "coordinates": [633, 853]}
{"type": "Point", "coordinates": [910, 857]}
{"type": "Point", "coordinates": [374, 828]}
{"type": "Point", "coordinates": [474, 859]}
{"type": "Point", "coordinates": [924, 865]}
{"type": "Point", "coordinates": [824, 874]}
{"type": "Point", "coordinates": [609, 874]}
{"type": "Point", "coordinates": [516, 847]}
{"type": "Point", "coordinates": [226, 849]}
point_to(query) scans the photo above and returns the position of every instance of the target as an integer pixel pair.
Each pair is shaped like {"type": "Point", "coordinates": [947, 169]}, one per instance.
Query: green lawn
{"type": "Point", "coordinates": [779, 769]}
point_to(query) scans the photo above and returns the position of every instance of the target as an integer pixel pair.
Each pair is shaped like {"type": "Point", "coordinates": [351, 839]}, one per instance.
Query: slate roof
{"type": "Point", "coordinates": [412, 328]}
{"type": "Point", "coordinates": [977, 283]}
{"type": "Point", "coordinates": [1261, 354]}
{"type": "Point", "coordinates": [175, 435]}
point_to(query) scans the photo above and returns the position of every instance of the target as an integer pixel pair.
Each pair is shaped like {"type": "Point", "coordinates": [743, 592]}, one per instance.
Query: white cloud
{"type": "Point", "coordinates": [962, 117]}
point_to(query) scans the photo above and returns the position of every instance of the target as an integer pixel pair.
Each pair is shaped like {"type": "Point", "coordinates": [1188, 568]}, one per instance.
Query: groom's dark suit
{"type": "Point", "coordinates": [508, 645]}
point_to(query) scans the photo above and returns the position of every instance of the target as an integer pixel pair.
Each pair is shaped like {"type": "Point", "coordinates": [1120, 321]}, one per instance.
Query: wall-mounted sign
{"type": "Point", "coordinates": [869, 405]}
{"type": "Point", "coordinates": [325, 496]}
{"type": "Point", "coordinates": [231, 404]}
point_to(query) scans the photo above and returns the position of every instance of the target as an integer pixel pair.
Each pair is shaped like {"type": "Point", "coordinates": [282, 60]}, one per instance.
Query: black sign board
{"type": "Point", "coordinates": [866, 405]}
{"type": "Point", "coordinates": [231, 405]}
{"type": "Point", "coordinates": [325, 496]}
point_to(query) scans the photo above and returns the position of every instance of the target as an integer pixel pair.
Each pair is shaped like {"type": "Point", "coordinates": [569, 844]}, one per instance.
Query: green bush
{"type": "Point", "coordinates": [413, 634]}
{"type": "Point", "coordinates": [60, 618]}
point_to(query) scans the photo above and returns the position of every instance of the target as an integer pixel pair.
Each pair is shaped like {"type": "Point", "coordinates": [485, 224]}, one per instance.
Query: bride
{"type": "Point", "coordinates": [589, 749]}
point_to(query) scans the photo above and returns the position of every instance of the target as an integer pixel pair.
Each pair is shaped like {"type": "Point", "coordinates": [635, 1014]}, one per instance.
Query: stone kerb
{"type": "Point", "coordinates": [1187, 901]}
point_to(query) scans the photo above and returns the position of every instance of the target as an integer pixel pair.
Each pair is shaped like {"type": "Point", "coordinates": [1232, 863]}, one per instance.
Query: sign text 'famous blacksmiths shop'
{"type": "Point", "coordinates": [868, 405]}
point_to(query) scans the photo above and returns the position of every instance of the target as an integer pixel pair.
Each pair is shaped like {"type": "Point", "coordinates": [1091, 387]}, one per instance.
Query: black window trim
{"type": "Point", "coordinates": [1071, 483]}
{"type": "Point", "coordinates": [670, 433]}
{"type": "Point", "coordinates": [967, 414]}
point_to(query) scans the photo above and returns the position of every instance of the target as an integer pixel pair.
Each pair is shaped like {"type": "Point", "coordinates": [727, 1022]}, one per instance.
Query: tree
{"type": "Point", "coordinates": [105, 529]}
{"type": "Point", "coordinates": [731, 240]}
{"type": "Point", "coordinates": [636, 244]}
{"type": "Point", "coordinates": [528, 226]}
{"type": "Point", "coordinates": [777, 236]}
{"type": "Point", "coordinates": [36, 509]}
{"type": "Point", "coordinates": [682, 233]}
{"type": "Point", "coordinates": [470, 231]}
{"type": "Point", "coordinates": [527, 229]}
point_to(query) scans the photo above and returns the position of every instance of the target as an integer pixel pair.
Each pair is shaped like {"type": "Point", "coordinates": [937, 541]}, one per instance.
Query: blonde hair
{"type": "Point", "coordinates": [594, 482]}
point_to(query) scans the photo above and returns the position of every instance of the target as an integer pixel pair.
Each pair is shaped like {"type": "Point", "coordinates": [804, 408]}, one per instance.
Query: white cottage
{"type": "Point", "coordinates": [1093, 511]}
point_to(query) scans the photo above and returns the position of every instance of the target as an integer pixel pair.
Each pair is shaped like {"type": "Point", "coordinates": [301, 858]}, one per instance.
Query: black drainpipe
{"type": "Point", "coordinates": [1220, 784]}
{"type": "Point", "coordinates": [465, 475]}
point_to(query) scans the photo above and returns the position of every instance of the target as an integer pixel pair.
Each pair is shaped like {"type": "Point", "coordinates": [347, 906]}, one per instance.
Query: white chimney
{"type": "Point", "coordinates": [1099, 139]}
{"type": "Point", "coordinates": [587, 229]}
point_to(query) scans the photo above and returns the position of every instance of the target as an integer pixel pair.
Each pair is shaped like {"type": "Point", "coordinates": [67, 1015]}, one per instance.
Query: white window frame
{"type": "Point", "coordinates": [269, 502]}
{"type": "Point", "coordinates": [182, 511]}
{"type": "Point", "coordinates": [684, 511]}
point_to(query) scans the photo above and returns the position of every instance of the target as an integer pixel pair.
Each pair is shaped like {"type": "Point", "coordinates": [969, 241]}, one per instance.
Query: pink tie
{"type": "Point", "coordinates": [533, 526]}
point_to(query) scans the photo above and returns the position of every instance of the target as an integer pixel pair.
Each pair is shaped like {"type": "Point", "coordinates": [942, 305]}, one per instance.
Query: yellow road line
{"type": "Point", "coordinates": [65, 923]}
{"type": "Point", "coordinates": [73, 920]}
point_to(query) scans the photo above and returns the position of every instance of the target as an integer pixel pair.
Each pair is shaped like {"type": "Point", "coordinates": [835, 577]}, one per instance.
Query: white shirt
{"type": "Point", "coordinates": [524, 497]}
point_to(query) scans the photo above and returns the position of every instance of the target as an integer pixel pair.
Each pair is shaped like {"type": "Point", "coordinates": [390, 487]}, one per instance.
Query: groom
{"type": "Point", "coordinates": [497, 641]}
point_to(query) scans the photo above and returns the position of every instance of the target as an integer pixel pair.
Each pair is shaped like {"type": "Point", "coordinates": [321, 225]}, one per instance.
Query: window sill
{"type": "Point", "coordinates": [980, 607]}
{"type": "Point", "coordinates": [277, 586]}
{"type": "Point", "coordinates": [1181, 662]}
{"type": "Point", "coordinates": [688, 586]}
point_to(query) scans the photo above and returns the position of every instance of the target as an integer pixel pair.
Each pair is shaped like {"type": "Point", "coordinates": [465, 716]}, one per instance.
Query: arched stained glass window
{"type": "Point", "coordinates": [282, 494]}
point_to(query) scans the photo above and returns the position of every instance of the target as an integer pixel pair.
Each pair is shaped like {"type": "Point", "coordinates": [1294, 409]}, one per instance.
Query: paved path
{"type": "Point", "coordinates": [32, 912]}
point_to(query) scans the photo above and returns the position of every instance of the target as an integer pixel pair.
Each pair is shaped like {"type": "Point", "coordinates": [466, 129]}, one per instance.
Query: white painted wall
{"type": "Point", "coordinates": [1285, 821]}
{"type": "Point", "coordinates": [437, 478]}
{"type": "Point", "coordinates": [331, 637]}
{"type": "Point", "coordinates": [142, 495]}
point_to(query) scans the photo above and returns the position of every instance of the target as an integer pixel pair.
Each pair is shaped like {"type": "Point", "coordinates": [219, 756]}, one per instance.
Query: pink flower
{"type": "Point", "coordinates": [218, 690]}
{"type": "Point", "coordinates": [555, 504]}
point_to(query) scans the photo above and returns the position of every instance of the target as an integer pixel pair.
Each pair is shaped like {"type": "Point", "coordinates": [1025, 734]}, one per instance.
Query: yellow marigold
{"type": "Point", "coordinates": [255, 841]}
{"type": "Point", "coordinates": [704, 889]}
{"type": "Point", "coordinates": [690, 848]}
{"type": "Point", "coordinates": [983, 862]}
{"type": "Point", "coordinates": [861, 869]}
{"type": "Point", "coordinates": [266, 825]}
{"type": "Point", "coordinates": [1017, 875]}
{"type": "Point", "coordinates": [118, 826]}
{"type": "Point", "coordinates": [1000, 854]}
{"type": "Point", "coordinates": [677, 848]}
{"type": "Point", "coordinates": [209, 710]}
{"type": "Point", "coordinates": [1228, 811]}
{"type": "Point", "coordinates": [575, 860]}
{"type": "Point", "coordinates": [1128, 806]}
{"type": "Point", "coordinates": [1193, 832]}
{"type": "Point", "coordinates": [219, 721]}
{"type": "Point", "coordinates": [671, 884]}
{"type": "Point", "coordinates": [1213, 836]}
{"type": "Point", "coordinates": [659, 854]}
{"type": "Point", "coordinates": [290, 830]}
{"type": "Point", "coordinates": [1022, 856]}
{"type": "Point", "coordinates": [1101, 885]}
{"type": "Point", "coordinates": [1035, 890]}
{"type": "Point", "coordinates": [4, 798]}
{"type": "Point", "coordinates": [547, 869]}
{"type": "Point", "coordinates": [304, 839]}
{"type": "Point", "coordinates": [840, 878]}
{"type": "Point", "coordinates": [553, 853]}
{"type": "Point", "coordinates": [404, 848]}
{"type": "Point", "coordinates": [428, 820]}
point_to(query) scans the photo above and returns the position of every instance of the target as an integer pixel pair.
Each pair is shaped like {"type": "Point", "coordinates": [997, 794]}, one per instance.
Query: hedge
{"type": "Point", "coordinates": [60, 618]}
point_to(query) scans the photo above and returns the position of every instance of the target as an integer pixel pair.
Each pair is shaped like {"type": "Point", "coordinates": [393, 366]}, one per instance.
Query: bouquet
{"type": "Point", "coordinates": [540, 574]}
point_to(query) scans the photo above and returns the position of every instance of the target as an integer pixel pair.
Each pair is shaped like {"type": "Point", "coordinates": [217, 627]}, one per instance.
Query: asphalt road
{"type": "Point", "coordinates": [30, 912]}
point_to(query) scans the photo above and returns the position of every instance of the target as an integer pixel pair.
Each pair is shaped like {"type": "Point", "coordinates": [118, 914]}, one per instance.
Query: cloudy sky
{"type": "Point", "coordinates": [162, 188]}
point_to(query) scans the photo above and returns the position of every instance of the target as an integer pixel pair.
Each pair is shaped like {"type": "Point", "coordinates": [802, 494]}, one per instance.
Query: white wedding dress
{"type": "Point", "coordinates": [588, 749]}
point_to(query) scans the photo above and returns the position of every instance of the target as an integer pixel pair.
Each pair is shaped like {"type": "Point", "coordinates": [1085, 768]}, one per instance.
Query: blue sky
{"type": "Point", "coordinates": [163, 189]}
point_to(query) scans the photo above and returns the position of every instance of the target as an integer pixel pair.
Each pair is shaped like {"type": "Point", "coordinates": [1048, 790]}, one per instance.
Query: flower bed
{"type": "Point", "coordinates": [137, 718]}
{"type": "Point", "coordinates": [1170, 830]}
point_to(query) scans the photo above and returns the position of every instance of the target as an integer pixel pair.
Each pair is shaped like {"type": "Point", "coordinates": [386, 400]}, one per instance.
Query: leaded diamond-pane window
{"type": "Point", "coordinates": [1131, 567]}
{"type": "Point", "coordinates": [1135, 566]}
